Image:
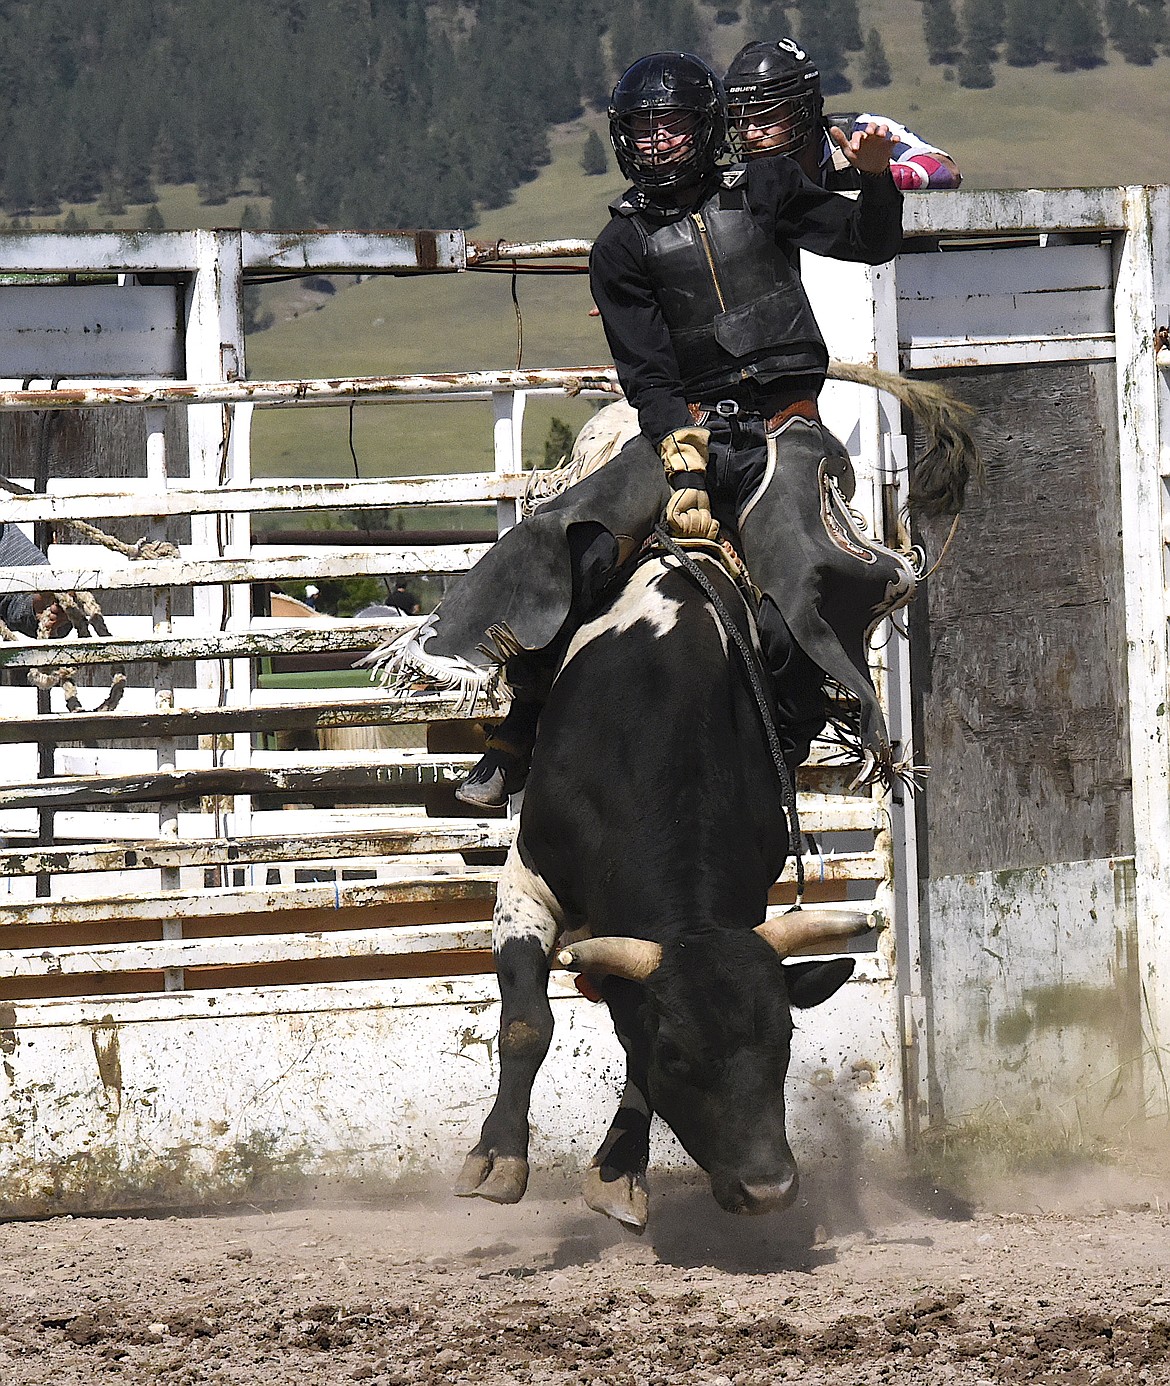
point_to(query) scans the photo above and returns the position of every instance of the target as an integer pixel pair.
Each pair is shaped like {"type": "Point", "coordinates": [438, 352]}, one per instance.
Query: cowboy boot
{"type": "Point", "coordinates": [503, 769]}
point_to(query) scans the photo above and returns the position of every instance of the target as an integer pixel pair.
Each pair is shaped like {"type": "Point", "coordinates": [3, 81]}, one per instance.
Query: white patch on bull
{"type": "Point", "coordinates": [525, 907]}
{"type": "Point", "coordinates": [639, 601]}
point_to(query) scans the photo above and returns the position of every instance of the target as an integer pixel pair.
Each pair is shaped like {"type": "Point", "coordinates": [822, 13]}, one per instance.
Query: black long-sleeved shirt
{"type": "Point", "coordinates": [790, 209]}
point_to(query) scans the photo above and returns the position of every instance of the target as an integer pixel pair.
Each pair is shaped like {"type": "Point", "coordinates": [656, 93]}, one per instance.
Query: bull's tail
{"type": "Point", "coordinates": [939, 478]}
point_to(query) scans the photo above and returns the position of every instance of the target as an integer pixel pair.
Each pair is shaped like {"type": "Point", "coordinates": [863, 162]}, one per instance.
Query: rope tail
{"type": "Point", "coordinates": [938, 479]}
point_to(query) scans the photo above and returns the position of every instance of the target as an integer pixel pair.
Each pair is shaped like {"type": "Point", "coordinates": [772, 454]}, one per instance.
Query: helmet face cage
{"type": "Point", "coordinates": [666, 122]}
{"type": "Point", "coordinates": [760, 125]}
{"type": "Point", "coordinates": [774, 100]}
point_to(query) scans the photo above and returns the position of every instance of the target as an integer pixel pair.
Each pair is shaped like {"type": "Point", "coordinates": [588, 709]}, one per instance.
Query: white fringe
{"type": "Point", "coordinates": [401, 665]}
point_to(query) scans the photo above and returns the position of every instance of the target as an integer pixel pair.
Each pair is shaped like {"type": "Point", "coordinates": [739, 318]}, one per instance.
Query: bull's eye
{"type": "Point", "coordinates": [671, 1058]}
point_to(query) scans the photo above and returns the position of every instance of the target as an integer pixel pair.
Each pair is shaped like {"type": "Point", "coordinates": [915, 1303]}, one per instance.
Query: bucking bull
{"type": "Point", "coordinates": [664, 887]}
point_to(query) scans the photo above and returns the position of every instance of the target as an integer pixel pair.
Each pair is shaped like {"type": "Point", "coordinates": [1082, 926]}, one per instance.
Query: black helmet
{"type": "Point", "coordinates": [772, 84]}
{"type": "Point", "coordinates": [653, 98]}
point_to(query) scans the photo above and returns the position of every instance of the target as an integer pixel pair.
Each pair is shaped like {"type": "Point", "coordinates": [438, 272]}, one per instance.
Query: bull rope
{"type": "Point", "coordinates": [751, 667]}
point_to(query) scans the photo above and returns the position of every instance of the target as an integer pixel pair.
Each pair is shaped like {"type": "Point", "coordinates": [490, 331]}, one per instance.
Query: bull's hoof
{"type": "Point", "coordinates": [626, 1198]}
{"type": "Point", "coordinates": [498, 1178]}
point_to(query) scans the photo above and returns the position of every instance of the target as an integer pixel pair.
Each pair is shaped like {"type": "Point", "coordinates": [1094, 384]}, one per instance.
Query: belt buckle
{"type": "Point", "coordinates": [728, 408]}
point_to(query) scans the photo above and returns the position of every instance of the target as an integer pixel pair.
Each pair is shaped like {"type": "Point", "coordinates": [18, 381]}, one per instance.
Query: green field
{"type": "Point", "coordinates": [437, 323]}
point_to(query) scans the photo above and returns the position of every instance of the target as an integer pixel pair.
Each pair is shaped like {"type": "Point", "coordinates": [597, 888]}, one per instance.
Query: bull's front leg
{"type": "Point", "coordinates": [615, 1183]}
{"type": "Point", "coordinates": [524, 929]}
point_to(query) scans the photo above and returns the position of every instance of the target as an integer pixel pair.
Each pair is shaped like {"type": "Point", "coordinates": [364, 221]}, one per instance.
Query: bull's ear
{"type": "Point", "coordinates": [810, 983]}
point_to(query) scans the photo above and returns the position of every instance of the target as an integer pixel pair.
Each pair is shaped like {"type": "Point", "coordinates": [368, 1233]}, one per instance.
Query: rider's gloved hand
{"type": "Point", "coordinates": [684, 456]}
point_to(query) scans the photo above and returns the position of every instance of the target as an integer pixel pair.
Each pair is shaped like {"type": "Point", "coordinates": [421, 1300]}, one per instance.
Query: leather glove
{"type": "Point", "coordinates": [684, 456]}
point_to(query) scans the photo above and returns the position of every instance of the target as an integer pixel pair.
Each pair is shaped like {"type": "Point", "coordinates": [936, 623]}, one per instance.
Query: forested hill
{"type": "Point", "coordinates": [372, 113]}
{"type": "Point", "coordinates": [392, 113]}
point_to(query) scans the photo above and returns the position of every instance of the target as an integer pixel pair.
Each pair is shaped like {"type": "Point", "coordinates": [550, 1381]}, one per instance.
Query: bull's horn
{"type": "Point", "coordinates": [804, 928]}
{"type": "Point", "coordinates": [632, 958]}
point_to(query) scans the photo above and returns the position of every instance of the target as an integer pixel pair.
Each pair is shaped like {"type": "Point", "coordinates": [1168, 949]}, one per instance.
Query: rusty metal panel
{"type": "Point", "coordinates": [1002, 212]}
{"type": "Point", "coordinates": [90, 329]}
{"type": "Point", "coordinates": [587, 380]}
{"type": "Point", "coordinates": [75, 566]}
{"type": "Point", "coordinates": [134, 1101]}
{"type": "Point", "coordinates": [412, 835]}
{"type": "Point", "coordinates": [72, 252]}
{"type": "Point", "coordinates": [1011, 303]}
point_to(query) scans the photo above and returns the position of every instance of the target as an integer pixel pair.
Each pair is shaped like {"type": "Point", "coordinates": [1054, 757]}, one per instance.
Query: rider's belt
{"type": "Point", "coordinates": [799, 408]}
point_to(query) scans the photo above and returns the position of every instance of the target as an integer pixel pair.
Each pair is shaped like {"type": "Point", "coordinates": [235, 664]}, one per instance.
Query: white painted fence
{"type": "Point", "coordinates": [159, 930]}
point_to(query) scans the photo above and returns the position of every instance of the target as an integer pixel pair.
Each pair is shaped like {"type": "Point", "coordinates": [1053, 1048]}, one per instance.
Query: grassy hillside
{"type": "Point", "coordinates": [1036, 128]}
{"type": "Point", "coordinates": [456, 322]}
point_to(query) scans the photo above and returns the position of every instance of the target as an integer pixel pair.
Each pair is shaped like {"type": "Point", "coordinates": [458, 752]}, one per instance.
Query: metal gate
{"type": "Point", "coordinates": [1040, 663]}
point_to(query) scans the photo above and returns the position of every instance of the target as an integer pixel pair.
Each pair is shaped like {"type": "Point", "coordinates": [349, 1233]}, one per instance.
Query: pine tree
{"type": "Point", "coordinates": [767, 19]}
{"type": "Point", "coordinates": [559, 443]}
{"type": "Point", "coordinates": [819, 37]}
{"type": "Point", "coordinates": [974, 70]}
{"type": "Point", "coordinates": [112, 202]}
{"type": "Point", "coordinates": [983, 27]}
{"type": "Point", "coordinates": [1078, 39]}
{"type": "Point", "coordinates": [875, 66]}
{"type": "Point", "coordinates": [847, 19]}
{"type": "Point", "coordinates": [941, 31]}
{"type": "Point", "coordinates": [153, 219]}
{"type": "Point", "coordinates": [1140, 27]}
{"type": "Point", "coordinates": [1027, 24]}
{"type": "Point", "coordinates": [592, 78]}
{"type": "Point", "coordinates": [593, 159]}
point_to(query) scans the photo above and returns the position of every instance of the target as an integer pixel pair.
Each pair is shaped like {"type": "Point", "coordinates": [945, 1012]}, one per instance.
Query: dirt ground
{"type": "Point", "coordinates": [1062, 1279]}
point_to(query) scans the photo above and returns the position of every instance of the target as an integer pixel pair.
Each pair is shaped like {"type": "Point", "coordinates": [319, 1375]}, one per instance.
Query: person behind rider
{"type": "Point", "coordinates": [775, 106]}
{"type": "Point", "coordinates": [717, 349]}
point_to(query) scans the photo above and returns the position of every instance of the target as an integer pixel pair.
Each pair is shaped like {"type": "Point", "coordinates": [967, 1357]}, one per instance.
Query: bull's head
{"type": "Point", "coordinates": [707, 1022]}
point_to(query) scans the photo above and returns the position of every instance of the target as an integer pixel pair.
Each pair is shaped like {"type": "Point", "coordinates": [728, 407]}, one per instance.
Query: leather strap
{"type": "Point", "coordinates": [802, 408]}
{"type": "Point", "coordinates": [799, 408]}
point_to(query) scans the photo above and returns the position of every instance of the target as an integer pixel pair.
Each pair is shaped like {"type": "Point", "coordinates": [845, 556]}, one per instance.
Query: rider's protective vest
{"type": "Point", "coordinates": [733, 302]}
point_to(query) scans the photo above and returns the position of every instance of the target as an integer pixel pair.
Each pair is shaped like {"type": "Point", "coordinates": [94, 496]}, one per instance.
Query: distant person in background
{"type": "Point", "coordinates": [21, 611]}
{"type": "Point", "coordinates": [405, 600]}
{"type": "Point", "coordinates": [775, 106]}
{"type": "Point", "coordinates": [311, 595]}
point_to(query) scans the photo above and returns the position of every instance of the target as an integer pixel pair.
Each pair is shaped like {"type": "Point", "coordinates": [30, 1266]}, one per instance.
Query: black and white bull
{"type": "Point", "coordinates": [652, 821]}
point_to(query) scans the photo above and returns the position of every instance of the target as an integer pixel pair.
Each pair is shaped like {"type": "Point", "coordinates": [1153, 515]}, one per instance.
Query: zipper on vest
{"type": "Point", "coordinates": [705, 242]}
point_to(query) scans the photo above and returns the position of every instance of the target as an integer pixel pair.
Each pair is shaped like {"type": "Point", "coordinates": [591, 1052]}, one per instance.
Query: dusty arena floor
{"type": "Point", "coordinates": [1062, 1279]}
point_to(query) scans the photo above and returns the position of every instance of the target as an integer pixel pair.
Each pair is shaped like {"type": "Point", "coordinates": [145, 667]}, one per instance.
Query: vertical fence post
{"type": "Point", "coordinates": [164, 692]}
{"type": "Point", "coordinates": [215, 352]}
{"type": "Point", "coordinates": [1142, 300]}
{"type": "Point", "coordinates": [912, 955]}
{"type": "Point", "coordinates": [509, 435]}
